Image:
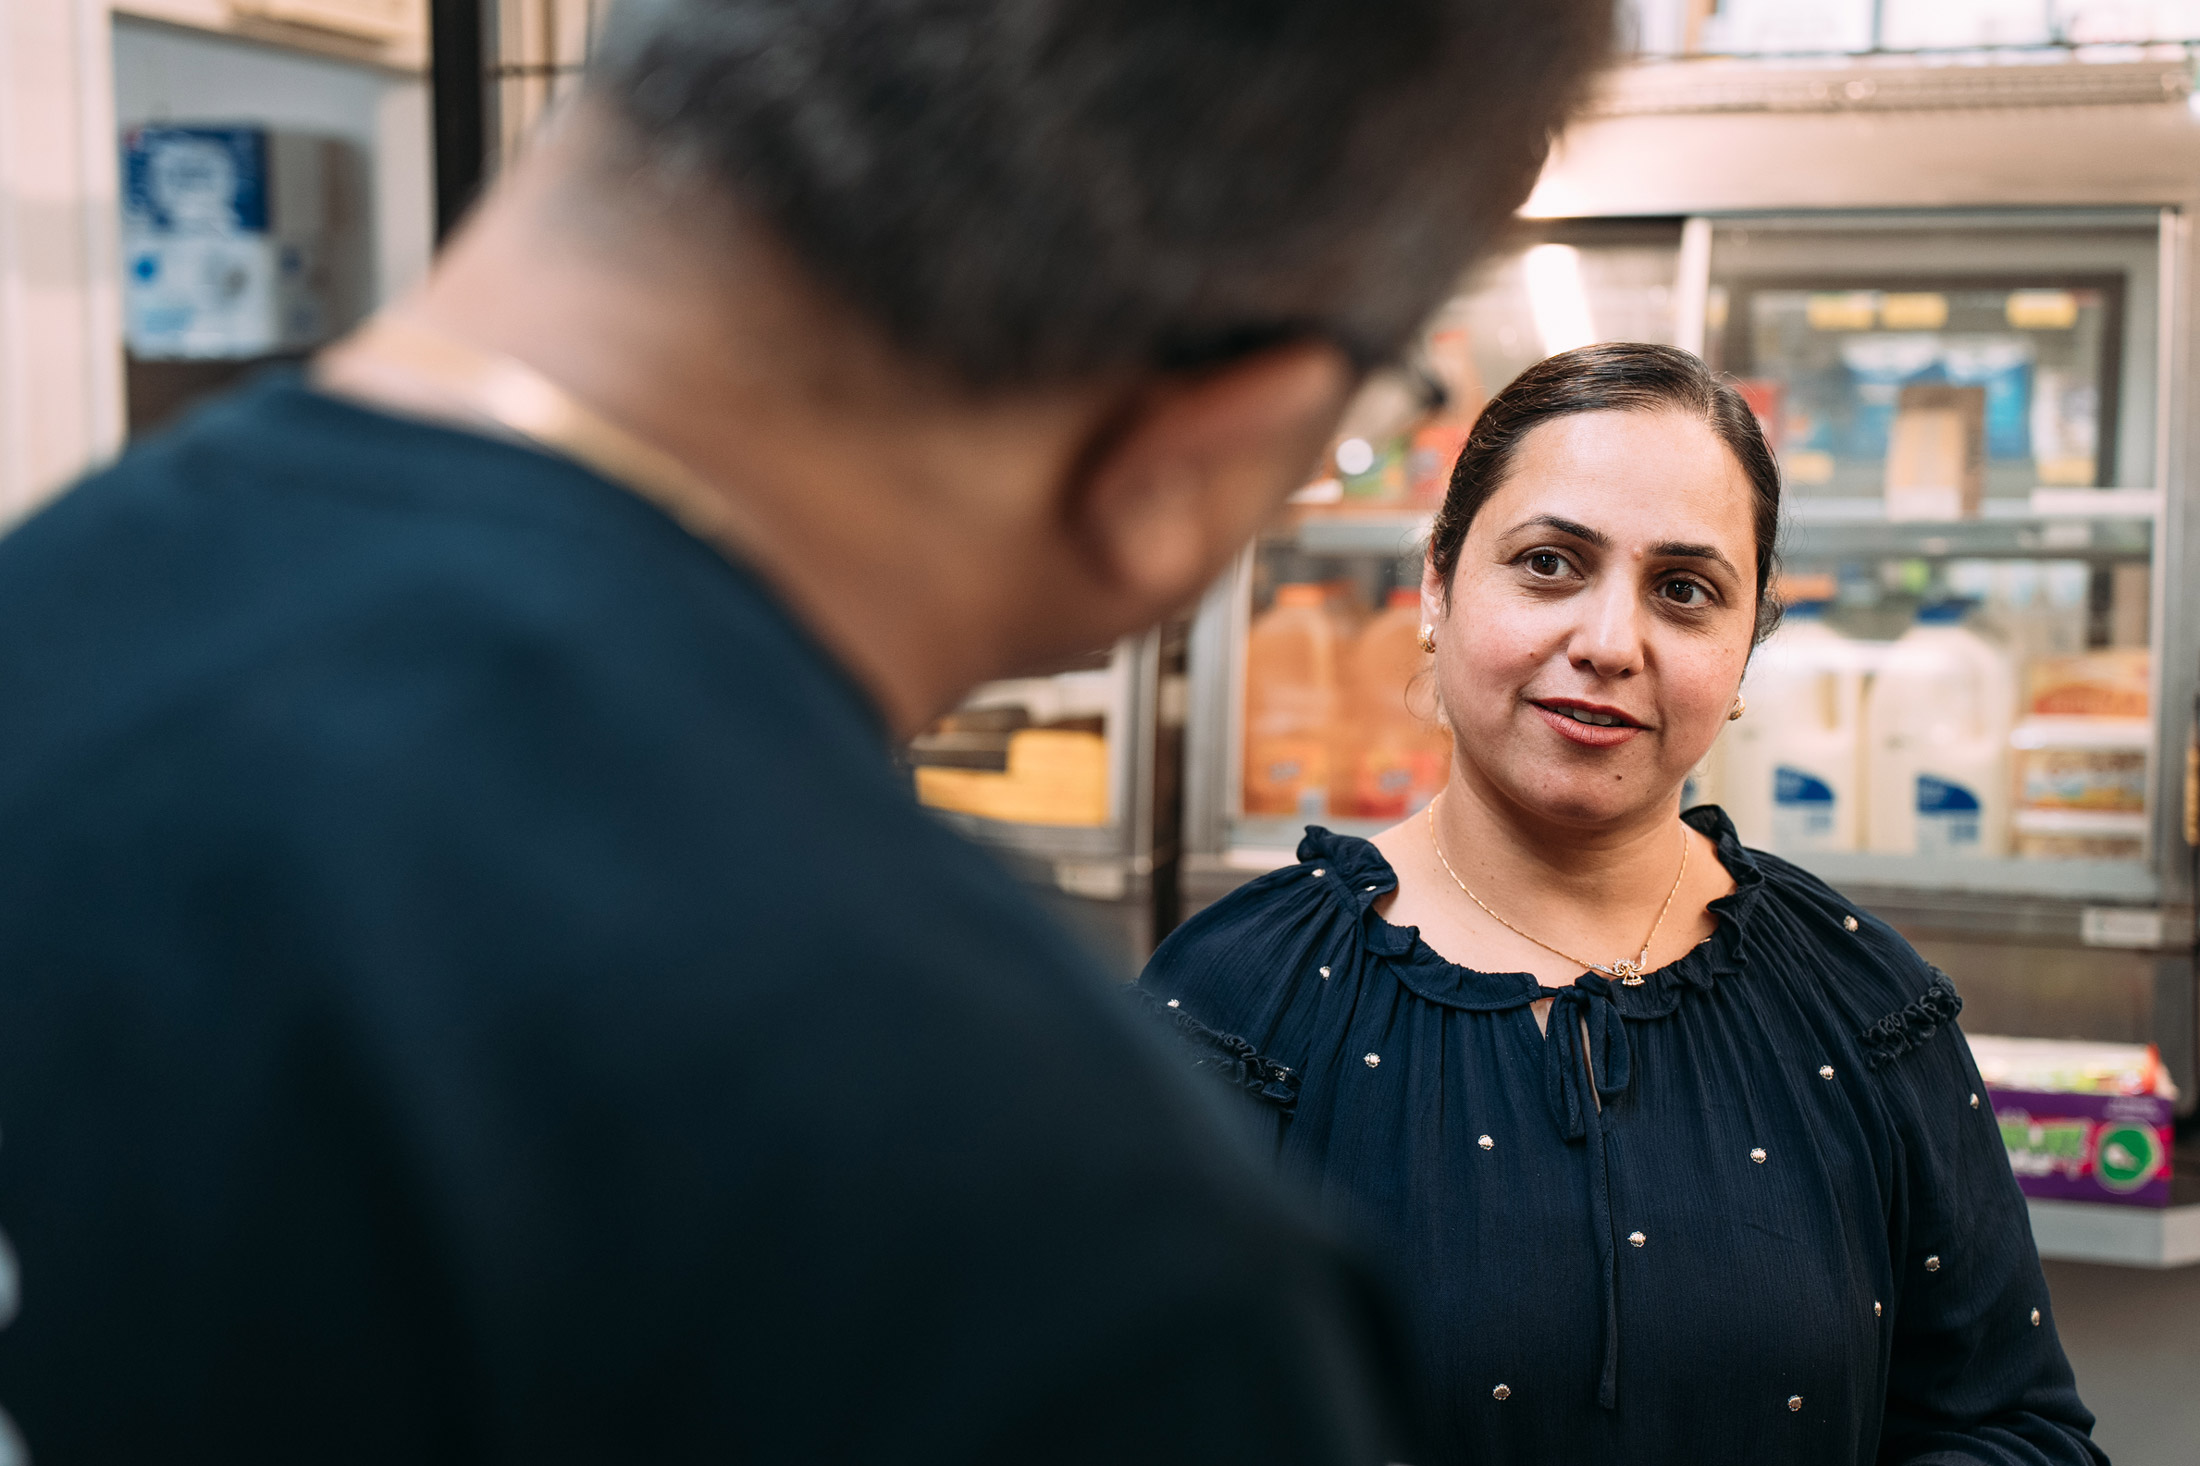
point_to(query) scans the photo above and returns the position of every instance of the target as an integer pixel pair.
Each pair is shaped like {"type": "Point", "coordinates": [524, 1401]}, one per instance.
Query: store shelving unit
{"type": "Point", "coordinates": [2131, 1236]}
{"type": "Point", "coordinates": [1116, 880]}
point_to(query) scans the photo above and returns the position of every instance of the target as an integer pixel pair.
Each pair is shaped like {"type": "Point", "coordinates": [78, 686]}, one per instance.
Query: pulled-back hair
{"type": "Point", "coordinates": [1624, 376]}
{"type": "Point", "coordinates": [1024, 190]}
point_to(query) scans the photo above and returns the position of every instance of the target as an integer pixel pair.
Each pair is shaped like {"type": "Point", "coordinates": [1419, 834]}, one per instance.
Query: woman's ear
{"type": "Point", "coordinates": [1435, 599]}
{"type": "Point", "coordinates": [1188, 468]}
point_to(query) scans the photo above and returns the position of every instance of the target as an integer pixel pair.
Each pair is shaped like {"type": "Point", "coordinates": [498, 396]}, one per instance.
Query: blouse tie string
{"type": "Point", "coordinates": [1587, 1061]}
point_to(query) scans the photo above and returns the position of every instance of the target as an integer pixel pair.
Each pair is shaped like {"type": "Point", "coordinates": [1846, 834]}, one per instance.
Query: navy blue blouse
{"type": "Point", "coordinates": [1754, 1209]}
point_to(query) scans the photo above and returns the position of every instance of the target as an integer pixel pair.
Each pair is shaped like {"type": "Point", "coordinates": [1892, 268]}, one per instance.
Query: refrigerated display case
{"type": "Point", "coordinates": [1071, 780]}
{"type": "Point", "coordinates": [1981, 409]}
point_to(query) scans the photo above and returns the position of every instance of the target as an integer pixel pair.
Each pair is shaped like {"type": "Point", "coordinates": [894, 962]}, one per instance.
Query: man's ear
{"type": "Point", "coordinates": [1191, 466]}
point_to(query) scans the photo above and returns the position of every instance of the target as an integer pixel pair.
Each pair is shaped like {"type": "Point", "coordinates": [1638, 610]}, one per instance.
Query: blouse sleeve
{"type": "Point", "coordinates": [1239, 982]}
{"type": "Point", "coordinates": [1976, 1372]}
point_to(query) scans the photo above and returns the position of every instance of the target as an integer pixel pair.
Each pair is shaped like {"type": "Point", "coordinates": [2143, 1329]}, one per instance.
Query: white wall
{"type": "Point", "coordinates": [165, 74]}
{"type": "Point", "coordinates": [60, 290]}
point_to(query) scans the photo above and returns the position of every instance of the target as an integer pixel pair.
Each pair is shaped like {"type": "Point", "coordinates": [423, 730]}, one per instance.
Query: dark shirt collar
{"type": "Point", "coordinates": [1366, 877]}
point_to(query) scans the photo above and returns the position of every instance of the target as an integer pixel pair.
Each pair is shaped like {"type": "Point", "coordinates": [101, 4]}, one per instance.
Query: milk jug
{"type": "Point", "coordinates": [1793, 775]}
{"type": "Point", "coordinates": [1937, 741]}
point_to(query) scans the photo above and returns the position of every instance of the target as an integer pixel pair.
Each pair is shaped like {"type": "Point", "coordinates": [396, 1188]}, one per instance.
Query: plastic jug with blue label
{"type": "Point", "coordinates": [1937, 749]}
{"type": "Point", "coordinates": [1793, 776]}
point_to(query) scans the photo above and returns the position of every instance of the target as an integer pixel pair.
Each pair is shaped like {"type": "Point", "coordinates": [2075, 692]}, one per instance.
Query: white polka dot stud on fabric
{"type": "Point", "coordinates": [1637, 1238]}
{"type": "Point", "coordinates": [1795, 1402]}
{"type": "Point", "coordinates": [1757, 1154]}
{"type": "Point", "coordinates": [1371, 888]}
{"type": "Point", "coordinates": [1373, 1060]}
{"type": "Point", "coordinates": [1876, 1309]}
{"type": "Point", "coordinates": [1825, 1071]}
{"type": "Point", "coordinates": [1932, 1264]}
{"type": "Point", "coordinates": [1485, 1142]}
{"type": "Point", "coordinates": [1325, 972]}
{"type": "Point", "coordinates": [1848, 923]}
{"type": "Point", "coordinates": [1319, 871]}
{"type": "Point", "coordinates": [2035, 1318]}
{"type": "Point", "coordinates": [1502, 1393]}
{"type": "Point", "coordinates": [1974, 1101]}
{"type": "Point", "coordinates": [1174, 1003]}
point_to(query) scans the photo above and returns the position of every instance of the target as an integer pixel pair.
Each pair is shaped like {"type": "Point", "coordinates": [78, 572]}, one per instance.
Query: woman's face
{"type": "Point", "coordinates": [1600, 617]}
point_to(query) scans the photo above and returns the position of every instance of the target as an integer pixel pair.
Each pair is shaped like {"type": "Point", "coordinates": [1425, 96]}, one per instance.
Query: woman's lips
{"type": "Point", "coordinates": [1589, 735]}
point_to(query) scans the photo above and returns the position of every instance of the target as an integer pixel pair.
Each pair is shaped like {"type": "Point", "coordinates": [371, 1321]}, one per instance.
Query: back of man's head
{"type": "Point", "coordinates": [1024, 191]}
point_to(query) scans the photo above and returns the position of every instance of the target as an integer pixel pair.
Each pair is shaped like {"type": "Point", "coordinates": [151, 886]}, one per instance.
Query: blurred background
{"type": "Point", "coordinates": [1944, 247]}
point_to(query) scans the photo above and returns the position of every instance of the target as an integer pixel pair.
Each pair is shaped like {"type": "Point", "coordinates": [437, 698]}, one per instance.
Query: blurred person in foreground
{"type": "Point", "coordinates": [473, 985]}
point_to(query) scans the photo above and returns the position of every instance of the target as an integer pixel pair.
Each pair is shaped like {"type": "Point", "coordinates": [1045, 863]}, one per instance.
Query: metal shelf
{"type": "Point", "coordinates": [1819, 531]}
{"type": "Point", "coordinates": [2115, 882]}
{"type": "Point", "coordinates": [2130, 1236]}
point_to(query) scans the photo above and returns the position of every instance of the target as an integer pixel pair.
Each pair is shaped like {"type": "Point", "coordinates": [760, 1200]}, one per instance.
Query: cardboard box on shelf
{"type": "Point", "coordinates": [2081, 1121]}
{"type": "Point", "coordinates": [1936, 453]}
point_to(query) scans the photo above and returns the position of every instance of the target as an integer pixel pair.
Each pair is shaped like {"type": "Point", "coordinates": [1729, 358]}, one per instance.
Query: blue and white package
{"type": "Point", "coordinates": [1948, 818]}
{"type": "Point", "coordinates": [232, 244]}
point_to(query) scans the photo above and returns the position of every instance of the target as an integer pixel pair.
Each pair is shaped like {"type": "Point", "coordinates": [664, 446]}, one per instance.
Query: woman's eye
{"type": "Point", "coordinates": [1686, 593]}
{"type": "Point", "coordinates": [1547, 563]}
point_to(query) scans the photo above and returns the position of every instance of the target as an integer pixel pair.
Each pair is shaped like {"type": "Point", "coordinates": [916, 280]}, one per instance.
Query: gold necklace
{"type": "Point", "coordinates": [524, 402]}
{"type": "Point", "coordinates": [1629, 973]}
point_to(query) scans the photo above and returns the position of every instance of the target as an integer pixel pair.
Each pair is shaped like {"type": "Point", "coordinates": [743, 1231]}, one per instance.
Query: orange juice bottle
{"type": "Point", "coordinates": [1290, 704]}
{"type": "Point", "coordinates": [1402, 754]}
{"type": "Point", "coordinates": [1349, 615]}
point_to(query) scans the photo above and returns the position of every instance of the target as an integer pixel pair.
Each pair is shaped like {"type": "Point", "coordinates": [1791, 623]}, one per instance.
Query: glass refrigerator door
{"type": "Point", "coordinates": [1309, 699]}
{"type": "Point", "coordinates": [1963, 696]}
{"type": "Point", "coordinates": [1974, 719]}
{"type": "Point", "coordinates": [1070, 778]}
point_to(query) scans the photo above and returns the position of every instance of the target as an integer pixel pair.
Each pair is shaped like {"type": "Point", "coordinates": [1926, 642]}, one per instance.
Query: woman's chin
{"type": "Point", "coordinates": [1587, 803]}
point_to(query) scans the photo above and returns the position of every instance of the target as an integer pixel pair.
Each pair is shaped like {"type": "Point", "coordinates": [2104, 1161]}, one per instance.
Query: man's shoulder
{"type": "Point", "coordinates": [289, 568]}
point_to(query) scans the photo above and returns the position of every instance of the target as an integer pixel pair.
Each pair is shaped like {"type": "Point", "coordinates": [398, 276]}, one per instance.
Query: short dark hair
{"type": "Point", "coordinates": [1621, 376]}
{"type": "Point", "coordinates": [1051, 189]}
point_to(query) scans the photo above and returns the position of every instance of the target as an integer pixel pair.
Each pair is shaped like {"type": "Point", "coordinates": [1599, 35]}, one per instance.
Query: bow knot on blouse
{"type": "Point", "coordinates": [1581, 1074]}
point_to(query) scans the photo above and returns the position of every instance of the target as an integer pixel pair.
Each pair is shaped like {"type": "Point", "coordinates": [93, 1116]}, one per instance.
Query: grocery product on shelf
{"type": "Point", "coordinates": [2081, 757]}
{"type": "Point", "coordinates": [1291, 687]}
{"type": "Point", "coordinates": [1936, 453]}
{"type": "Point", "coordinates": [2101, 684]}
{"type": "Point", "coordinates": [235, 240]}
{"type": "Point", "coordinates": [1793, 776]}
{"type": "Point", "coordinates": [2081, 1121]}
{"type": "Point", "coordinates": [1054, 776]}
{"type": "Point", "coordinates": [1396, 753]}
{"type": "Point", "coordinates": [1941, 704]}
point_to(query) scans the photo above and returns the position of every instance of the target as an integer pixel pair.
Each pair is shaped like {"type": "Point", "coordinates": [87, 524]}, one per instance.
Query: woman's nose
{"type": "Point", "coordinates": [1608, 639]}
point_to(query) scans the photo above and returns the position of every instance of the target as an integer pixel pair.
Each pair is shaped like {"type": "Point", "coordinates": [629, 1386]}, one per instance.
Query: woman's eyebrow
{"type": "Point", "coordinates": [1580, 532]}
{"type": "Point", "coordinates": [1679, 550]}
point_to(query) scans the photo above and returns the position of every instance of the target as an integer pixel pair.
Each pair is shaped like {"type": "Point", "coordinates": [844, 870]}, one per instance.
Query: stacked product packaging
{"type": "Point", "coordinates": [2082, 1121]}
{"type": "Point", "coordinates": [1958, 739]}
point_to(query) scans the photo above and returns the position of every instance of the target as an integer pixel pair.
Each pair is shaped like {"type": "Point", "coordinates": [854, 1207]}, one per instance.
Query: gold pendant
{"type": "Point", "coordinates": [1629, 973]}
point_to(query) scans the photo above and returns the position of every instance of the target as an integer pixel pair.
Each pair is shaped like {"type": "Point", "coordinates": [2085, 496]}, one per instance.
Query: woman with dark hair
{"type": "Point", "coordinates": [1677, 1155]}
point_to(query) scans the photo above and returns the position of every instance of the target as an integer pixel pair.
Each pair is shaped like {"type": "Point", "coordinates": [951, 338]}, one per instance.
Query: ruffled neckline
{"type": "Point", "coordinates": [1367, 876]}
